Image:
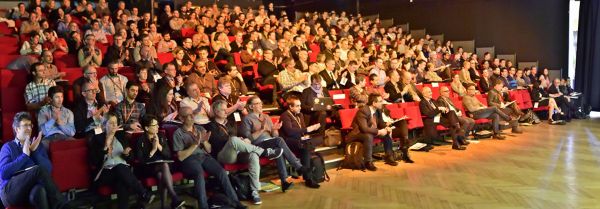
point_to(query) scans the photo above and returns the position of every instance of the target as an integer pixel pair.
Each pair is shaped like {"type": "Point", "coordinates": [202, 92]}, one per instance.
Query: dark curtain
{"type": "Point", "coordinates": [587, 74]}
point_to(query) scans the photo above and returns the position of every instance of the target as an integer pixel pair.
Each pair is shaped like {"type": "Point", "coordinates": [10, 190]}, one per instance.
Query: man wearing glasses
{"type": "Point", "coordinates": [444, 101]}
{"type": "Point", "coordinates": [90, 74]}
{"type": "Point", "coordinates": [25, 170]}
{"type": "Point", "coordinates": [89, 112]}
{"type": "Point", "coordinates": [478, 110]}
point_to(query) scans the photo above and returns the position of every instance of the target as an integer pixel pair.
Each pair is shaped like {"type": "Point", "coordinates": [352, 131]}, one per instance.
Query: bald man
{"type": "Point", "coordinates": [444, 101]}
{"type": "Point", "coordinates": [438, 115]}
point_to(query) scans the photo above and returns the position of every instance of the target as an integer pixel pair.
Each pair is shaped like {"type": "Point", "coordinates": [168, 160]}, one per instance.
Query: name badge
{"type": "Point", "coordinates": [237, 117]}
{"type": "Point", "coordinates": [436, 119]}
{"type": "Point", "coordinates": [98, 130]}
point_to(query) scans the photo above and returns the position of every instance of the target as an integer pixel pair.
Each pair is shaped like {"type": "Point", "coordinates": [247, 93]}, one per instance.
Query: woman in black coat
{"type": "Point", "coordinates": [153, 157]}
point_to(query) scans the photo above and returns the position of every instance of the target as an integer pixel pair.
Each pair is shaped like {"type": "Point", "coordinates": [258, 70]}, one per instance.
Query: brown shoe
{"type": "Point", "coordinates": [389, 159]}
{"type": "Point", "coordinates": [370, 166]}
{"type": "Point", "coordinates": [499, 137]}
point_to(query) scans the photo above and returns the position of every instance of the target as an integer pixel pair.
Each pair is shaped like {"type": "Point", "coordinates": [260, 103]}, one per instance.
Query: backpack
{"type": "Point", "coordinates": [353, 157]}
{"type": "Point", "coordinates": [317, 172]}
{"type": "Point", "coordinates": [241, 184]}
{"type": "Point", "coordinates": [220, 201]}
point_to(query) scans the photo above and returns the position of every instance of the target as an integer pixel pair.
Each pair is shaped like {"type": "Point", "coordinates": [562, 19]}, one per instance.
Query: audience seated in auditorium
{"type": "Point", "coordinates": [204, 80]}
{"type": "Point", "coordinates": [198, 102]}
{"type": "Point", "coordinates": [496, 98]}
{"type": "Point", "coordinates": [292, 80]}
{"type": "Point", "coordinates": [410, 93]}
{"type": "Point", "coordinates": [479, 110]}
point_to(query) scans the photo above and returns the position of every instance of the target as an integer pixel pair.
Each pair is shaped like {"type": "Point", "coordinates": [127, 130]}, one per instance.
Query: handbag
{"type": "Point", "coordinates": [333, 137]}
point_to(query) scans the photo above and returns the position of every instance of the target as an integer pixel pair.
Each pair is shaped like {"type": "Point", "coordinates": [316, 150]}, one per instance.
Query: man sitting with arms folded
{"type": "Point", "coordinates": [25, 170]}
{"type": "Point", "coordinates": [113, 84]}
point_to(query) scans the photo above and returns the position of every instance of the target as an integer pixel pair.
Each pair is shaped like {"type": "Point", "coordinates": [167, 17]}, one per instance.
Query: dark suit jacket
{"type": "Point", "coordinates": [494, 98]}
{"type": "Point", "coordinates": [395, 96]}
{"type": "Point", "coordinates": [80, 115]}
{"type": "Point", "coordinates": [349, 82]}
{"type": "Point", "coordinates": [266, 70]}
{"type": "Point", "coordinates": [152, 65]}
{"type": "Point", "coordinates": [429, 113]}
{"type": "Point", "coordinates": [331, 83]}
{"type": "Point", "coordinates": [363, 124]}
{"type": "Point", "coordinates": [144, 146]}
{"type": "Point", "coordinates": [408, 97]}
{"type": "Point", "coordinates": [308, 99]}
{"type": "Point", "coordinates": [484, 85]}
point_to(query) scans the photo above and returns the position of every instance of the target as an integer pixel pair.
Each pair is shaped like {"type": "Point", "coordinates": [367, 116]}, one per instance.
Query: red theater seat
{"type": "Point", "coordinates": [70, 169]}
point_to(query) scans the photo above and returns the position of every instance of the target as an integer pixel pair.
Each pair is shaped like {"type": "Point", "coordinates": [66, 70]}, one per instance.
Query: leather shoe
{"type": "Point", "coordinates": [286, 185]}
{"type": "Point", "coordinates": [389, 160]}
{"type": "Point", "coordinates": [499, 137]}
{"type": "Point", "coordinates": [458, 147]}
{"type": "Point", "coordinates": [517, 131]}
{"type": "Point", "coordinates": [370, 166]}
{"type": "Point", "coordinates": [312, 184]}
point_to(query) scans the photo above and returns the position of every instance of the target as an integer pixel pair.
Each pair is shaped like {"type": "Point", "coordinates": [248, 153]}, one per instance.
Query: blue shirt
{"type": "Point", "coordinates": [49, 126]}
{"type": "Point", "coordinates": [12, 159]}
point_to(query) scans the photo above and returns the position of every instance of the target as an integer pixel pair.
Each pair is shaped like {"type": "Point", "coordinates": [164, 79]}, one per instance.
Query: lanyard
{"type": "Point", "coordinates": [296, 119]}
{"type": "Point", "coordinates": [126, 114]}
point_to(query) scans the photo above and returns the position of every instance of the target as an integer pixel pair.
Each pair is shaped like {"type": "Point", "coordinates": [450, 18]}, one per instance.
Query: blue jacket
{"type": "Point", "coordinates": [12, 159]}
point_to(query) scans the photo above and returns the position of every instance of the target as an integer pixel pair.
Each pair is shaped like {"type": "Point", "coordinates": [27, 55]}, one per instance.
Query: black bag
{"type": "Point", "coordinates": [241, 184]}
{"type": "Point", "coordinates": [220, 201]}
{"type": "Point", "coordinates": [353, 157]}
{"type": "Point", "coordinates": [317, 172]}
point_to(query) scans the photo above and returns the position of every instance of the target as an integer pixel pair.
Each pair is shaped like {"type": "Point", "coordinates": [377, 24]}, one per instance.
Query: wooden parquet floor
{"type": "Point", "coordinates": [547, 167]}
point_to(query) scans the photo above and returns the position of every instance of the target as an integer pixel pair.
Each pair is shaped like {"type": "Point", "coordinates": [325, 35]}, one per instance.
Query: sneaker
{"type": "Point", "coordinates": [273, 153]}
{"type": "Point", "coordinates": [177, 204]}
{"type": "Point", "coordinates": [256, 198]}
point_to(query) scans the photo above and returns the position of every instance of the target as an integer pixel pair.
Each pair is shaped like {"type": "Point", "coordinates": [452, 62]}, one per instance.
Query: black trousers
{"type": "Point", "coordinates": [34, 187]}
{"type": "Point", "coordinates": [194, 166]}
{"type": "Point", "coordinates": [121, 179]}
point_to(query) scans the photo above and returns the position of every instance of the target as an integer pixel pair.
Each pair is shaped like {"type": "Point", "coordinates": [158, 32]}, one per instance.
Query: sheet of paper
{"type": "Point", "coordinates": [339, 96]}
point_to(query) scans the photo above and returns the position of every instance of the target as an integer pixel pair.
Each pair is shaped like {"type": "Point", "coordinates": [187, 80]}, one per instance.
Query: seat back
{"type": "Point", "coordinates": [165, 57]}
{"type": "Point", "coordinates": [70, 169]}
{"type": "Point", "coordinates": [237, 58]}
{"type": "Point", "coordinates": [414, 115]}
{"type": "Point", "coordinates": [346, 117]}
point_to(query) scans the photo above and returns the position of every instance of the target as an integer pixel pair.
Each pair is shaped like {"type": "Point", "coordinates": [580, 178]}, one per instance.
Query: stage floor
{"type": "Point", "coordinates": [545, 167]}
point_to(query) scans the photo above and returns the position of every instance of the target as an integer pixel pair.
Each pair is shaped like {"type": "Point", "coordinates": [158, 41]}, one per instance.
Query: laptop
{"type": "Point", "coordinates": [322, 103]}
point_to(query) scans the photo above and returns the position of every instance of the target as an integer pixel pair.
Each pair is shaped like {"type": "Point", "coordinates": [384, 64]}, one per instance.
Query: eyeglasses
{"type": "Point", "coordinates": [257, 103]}
{"type": "Point", "coordinates": [29, 125]}
{"type": "Point", "coordinates": [92, 91]}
